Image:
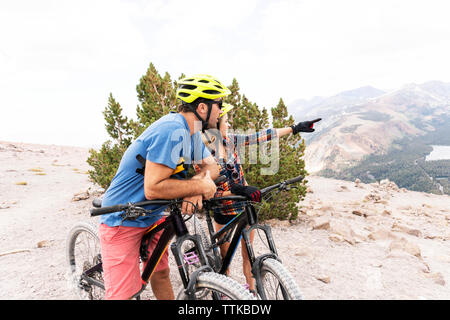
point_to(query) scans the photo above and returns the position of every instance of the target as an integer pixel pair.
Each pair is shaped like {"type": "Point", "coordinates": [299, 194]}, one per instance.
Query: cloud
{"type": "Point", "coordinates": [62, 59]}
{"type": "Point", "coordinates": [323, 47]}
{"type": "Point", "coordinates": [59, 60]}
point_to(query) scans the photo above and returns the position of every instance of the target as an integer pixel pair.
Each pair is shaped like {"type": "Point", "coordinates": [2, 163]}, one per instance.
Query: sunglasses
{"type": "Point", "coordinates": [232, 169]}
{"type": "Point", "coordinates": [219, 103]}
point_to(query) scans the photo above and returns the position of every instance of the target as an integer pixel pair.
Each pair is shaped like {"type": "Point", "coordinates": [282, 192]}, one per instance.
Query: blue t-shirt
{"type": "Point", "coordinates": [167, 141]}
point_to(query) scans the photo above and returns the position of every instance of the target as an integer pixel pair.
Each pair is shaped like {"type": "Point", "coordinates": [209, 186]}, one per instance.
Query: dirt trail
{"type": "Point", "coordinates": [351, 241]}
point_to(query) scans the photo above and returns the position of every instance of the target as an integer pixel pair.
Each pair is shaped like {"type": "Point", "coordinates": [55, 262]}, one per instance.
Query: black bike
{"type": "Point", "coordinates": [273, 280]}
{"type": "Point", "coordinates": [85, 261]}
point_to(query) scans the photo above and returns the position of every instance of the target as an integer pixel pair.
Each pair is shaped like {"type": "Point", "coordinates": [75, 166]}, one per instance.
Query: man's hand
{"type": "Point", "coordinates": [305, 126]}
{"type": "Point", "coordinates": [188, 207]}
{"type": "Point", "coordinates": [209, 187]}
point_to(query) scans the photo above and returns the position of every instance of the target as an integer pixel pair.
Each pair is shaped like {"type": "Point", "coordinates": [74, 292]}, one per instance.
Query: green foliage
{"type": "Point", "coordinates": [157, 97]}
{"type": "Point", "coordinates": [105, 163]}
{"type": "Point", "coordinates": [117, 125]}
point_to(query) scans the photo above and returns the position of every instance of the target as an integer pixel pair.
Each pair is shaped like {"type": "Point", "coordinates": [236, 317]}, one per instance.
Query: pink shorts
{"type": "Point", "coordinates": [120, 257]}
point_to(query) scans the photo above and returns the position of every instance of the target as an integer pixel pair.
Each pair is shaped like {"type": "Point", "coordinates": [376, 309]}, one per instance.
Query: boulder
{"type": "Point", "coordinates": [321, 223]}
{"type": "Point", "coordinates": [324, 279]}
{"type": "Point", "coordinates": [341, 229]}
{"type": "Point", "coordinates": [437, 278]}
{"type": "Point", "coordinates": [402, 228]}
{"type": "Point", "coordinates": [381, 234]}
{"type": "Point", "coordinates": [81, 196]}
{"type": "Point", "coordinates": [43, 243]}
{"type": "Point", "coordinates": [406, 246]}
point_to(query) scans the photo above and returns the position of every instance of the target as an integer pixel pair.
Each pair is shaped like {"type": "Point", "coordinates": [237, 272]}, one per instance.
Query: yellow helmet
{"type": "Point", "coordinates": [201, 86]}
{"type": "Point", "coordinates": [225, 108]}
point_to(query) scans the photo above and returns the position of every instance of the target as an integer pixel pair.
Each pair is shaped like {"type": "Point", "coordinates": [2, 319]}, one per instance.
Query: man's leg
{"type": "Point", "coordinates": [161, 285]}
{"type": "Point", "coordinates": [120, 258]}
{"type": "Point", "coordinates": [160, 279]}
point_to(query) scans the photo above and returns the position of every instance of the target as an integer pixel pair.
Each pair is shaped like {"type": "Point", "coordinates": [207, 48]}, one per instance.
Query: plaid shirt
{"type": "Point", "coordinates": [232, 168]}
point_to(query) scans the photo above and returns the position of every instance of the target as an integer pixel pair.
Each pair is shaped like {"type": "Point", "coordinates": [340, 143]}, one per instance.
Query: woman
{"type": "Point", "coordinates": [227, 156]}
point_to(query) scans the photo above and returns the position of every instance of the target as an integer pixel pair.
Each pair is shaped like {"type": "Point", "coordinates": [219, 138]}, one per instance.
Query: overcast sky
{"type": "Point", "coordinates": [59, 60]}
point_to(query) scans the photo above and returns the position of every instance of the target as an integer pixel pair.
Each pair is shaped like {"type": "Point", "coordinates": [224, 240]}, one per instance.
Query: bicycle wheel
{"type": "Point", "coordinates": [277, 282]}
{"type": "Point", "coordinates": [217, 286]}
{"type": "Point", "coordinates": [195, 226]}
{"type": "Point", "coordinates": [83, 257]}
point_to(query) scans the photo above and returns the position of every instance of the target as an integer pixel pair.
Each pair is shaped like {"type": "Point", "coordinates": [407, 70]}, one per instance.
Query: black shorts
{"type": "Point", "coordinates": [223, 218]}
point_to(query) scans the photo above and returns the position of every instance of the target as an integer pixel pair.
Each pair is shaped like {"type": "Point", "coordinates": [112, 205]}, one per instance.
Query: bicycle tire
{"type": "Point", "coordinates": [276, 277]}
{"type": "Point", "coordinates": [225, 288]}
{"type": "Point", "coordinates": [84, 236]}
{"type": "Point", "coordinates": [195, 226]}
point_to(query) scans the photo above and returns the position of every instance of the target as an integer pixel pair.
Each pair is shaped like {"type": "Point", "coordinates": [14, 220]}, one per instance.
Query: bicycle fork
{"type": "Point", "coordinates": [183, 260]}
{"type": "Point", "coordinates": [256, 263]}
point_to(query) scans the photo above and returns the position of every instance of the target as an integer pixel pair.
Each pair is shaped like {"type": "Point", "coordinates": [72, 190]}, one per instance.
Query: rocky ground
{"type": "Point", "coordinates": [351, 240]}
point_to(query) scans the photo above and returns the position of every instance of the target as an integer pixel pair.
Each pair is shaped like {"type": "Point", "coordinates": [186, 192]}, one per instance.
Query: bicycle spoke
{"type": "Point", "coordinates": [84, 255]}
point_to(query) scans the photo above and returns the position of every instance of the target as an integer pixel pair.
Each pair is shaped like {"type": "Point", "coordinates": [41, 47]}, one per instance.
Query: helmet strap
{"type": "Point", "coordinates": [204, 122]}
{"type": "Point", "coordinates": [207, 137]}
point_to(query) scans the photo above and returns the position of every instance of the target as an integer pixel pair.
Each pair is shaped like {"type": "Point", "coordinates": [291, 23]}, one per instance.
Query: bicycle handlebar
{"type": "Point", "coordinates": [99, 211]}
{"type": "Point", "coordinates": [284, 183]}
{"type": "Point", "coordinates": [294, 180]}
{"type": "Point", "coordinates": [121, 207]}
{"type": "Point", "coordinates": [263, 191]}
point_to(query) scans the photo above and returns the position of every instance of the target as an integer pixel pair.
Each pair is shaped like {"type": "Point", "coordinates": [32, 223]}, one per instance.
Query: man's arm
{"type": "Point", "coordinates": [159, 185]}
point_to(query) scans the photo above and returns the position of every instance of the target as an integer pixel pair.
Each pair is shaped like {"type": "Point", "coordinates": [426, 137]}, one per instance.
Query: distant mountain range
{"type": "Point", "coordinates": [367, 122]}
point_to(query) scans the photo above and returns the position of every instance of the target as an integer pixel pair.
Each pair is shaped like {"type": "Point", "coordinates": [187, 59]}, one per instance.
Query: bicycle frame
{"type": "Point", "coordinates": [239, 224]}
{"type": "Point", "coordinates": [173, 225]}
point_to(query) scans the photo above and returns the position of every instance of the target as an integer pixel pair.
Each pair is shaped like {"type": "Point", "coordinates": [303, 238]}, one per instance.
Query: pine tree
{"type": "Point", "coordinates": [116, 124]}
{"type": "Point", "coordinates": [234, 98]}
{"type": "Point", "coordinates": [157, 97]}
{"type": "Point", "coordinates": [106, 161]}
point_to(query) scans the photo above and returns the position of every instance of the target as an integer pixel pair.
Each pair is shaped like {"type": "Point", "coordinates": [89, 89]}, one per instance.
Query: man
{"type": "Point", "coordinates": [164, 147]}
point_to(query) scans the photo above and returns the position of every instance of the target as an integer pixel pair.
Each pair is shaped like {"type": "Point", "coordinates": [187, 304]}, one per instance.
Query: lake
{"type": "Point", "coordinates": [439, 153]}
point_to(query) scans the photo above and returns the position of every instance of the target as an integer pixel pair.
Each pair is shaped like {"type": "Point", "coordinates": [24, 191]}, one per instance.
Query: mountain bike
{"type": "Point", "coordinates": [85, 261]}
{"type": "Point", "coordinates": [273, 281]}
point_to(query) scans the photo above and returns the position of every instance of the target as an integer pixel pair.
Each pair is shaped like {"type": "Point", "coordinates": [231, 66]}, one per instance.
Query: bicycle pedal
{"type": "Point", "coordinates": [191, 258]}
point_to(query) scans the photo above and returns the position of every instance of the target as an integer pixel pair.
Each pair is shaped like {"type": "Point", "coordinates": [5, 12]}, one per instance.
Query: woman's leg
{"type": "Point", "coordinates": [224, 247]}
{"type": "Point", "coordinates": [246, 265]}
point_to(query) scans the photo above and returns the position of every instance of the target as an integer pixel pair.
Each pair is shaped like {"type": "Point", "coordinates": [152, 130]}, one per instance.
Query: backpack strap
{"type": "Point", "coordinates": [142, 162]}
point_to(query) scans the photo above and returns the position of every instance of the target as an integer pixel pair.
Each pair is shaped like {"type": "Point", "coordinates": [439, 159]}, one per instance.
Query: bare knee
{"type": "Point", "coordinates": [161, 274]}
